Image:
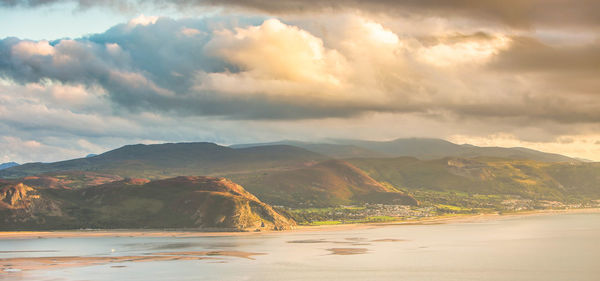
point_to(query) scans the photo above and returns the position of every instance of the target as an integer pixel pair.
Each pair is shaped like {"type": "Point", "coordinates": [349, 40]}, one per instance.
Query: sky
{"type": "Point", "coordinates": [80, 77]}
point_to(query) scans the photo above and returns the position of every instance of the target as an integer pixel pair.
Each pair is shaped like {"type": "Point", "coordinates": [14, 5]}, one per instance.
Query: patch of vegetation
{"type": "Point", "coordinates": [483, 183]}
{"type": "Point", "coordinates": [324, 222]}
{"type": "Point", "coordinates": [442, 208]}
{"type": "Point", "coordinates": [375, 219]}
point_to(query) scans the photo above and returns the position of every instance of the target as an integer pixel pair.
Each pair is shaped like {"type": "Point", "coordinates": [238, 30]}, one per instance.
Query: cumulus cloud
{"type": "Point", "coordinates": [14, 148]}
{"type": "Point", "coordinates": [212, 72]}
{"type": "Point", "coordinates": [272, 70]}
{"type": "Point", "coordinates": [142, 20]}
{"type": "Point", "coordinates": [277, 51]}
{"type": "Point", "coordinates": [451, 50]}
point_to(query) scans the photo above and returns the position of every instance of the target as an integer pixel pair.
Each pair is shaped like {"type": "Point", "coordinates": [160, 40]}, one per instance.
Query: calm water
{"type": "Point", "coordinates": [549, 247]}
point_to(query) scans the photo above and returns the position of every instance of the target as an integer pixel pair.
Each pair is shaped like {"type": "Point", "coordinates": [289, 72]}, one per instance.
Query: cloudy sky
{"type": "Point", "coordinates": [79, 77]}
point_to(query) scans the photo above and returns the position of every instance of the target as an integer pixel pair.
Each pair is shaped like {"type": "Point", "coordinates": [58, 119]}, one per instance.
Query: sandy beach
{"type": "Point", "coordinates": [463, 218]}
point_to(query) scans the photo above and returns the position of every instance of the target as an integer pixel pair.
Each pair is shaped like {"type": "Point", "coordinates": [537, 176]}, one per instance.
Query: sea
{"type": "Point", "coordinates": [563, 246]}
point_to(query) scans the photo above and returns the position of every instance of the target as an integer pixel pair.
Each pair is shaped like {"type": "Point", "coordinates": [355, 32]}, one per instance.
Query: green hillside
{"type": "Point", "coordinates": [578, 180]}
{"type": "Point", "coordinates": [492, 179]}
{"type": "Point", "coordinates": [328, 183]}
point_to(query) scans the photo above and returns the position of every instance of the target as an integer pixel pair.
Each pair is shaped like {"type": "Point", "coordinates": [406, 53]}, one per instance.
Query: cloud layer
{"type": "Point", "coordinates": [382, 69]}
{"type": "Point", "coordinates": [273, 70]}
{"type": "Point", "coordinates": [515, 13]}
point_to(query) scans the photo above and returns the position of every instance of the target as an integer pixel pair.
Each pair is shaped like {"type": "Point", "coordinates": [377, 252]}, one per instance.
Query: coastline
{"type": "Point", "coordinates": [459, 218]}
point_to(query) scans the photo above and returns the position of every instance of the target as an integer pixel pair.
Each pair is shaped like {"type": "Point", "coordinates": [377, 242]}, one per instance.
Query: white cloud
{"type": "Point", "coordinates": [17, 150]}
{"type": "Point", "coordinates": [277, 51]}
{"type": "Point", "coordinates": [582, 146]}
{"type": "Point", "coordinates": [26, 49]}
{"type": "Point", "coordinates": [451, 54]}
{"type": "Point", "coordinates": [142, 20]}
{"type": "Point", "coordinates": [191, 32]}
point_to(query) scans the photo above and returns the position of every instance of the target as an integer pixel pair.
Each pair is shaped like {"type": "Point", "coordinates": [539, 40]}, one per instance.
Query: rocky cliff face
{"type": "Point", "coordinates": [21, 204]}
{"type": "Point", "coordinates": [222, 204]}
{"type": "Point", "coordinates": [18, 196]}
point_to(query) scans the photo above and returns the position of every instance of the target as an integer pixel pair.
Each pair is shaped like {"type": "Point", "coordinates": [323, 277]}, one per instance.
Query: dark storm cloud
{"type": "Point", "coordinates": [533, 110]}
{"type": "Point", "coordinates": [527, 54]}
{"type": "Point", "coordinates": [517, 13]}
{"type": "Point", "coordinates": [521, 13]}
{"type": "Point", "coordinates": [563, 73]}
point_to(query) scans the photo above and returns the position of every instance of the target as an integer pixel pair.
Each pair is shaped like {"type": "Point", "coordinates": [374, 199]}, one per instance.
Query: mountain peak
{"type": "Point", "coordinates": [8, 165]}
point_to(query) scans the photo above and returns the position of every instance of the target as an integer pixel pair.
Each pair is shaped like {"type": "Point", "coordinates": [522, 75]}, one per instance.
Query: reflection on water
{"type": "Point", "coordinates": [552, 247]}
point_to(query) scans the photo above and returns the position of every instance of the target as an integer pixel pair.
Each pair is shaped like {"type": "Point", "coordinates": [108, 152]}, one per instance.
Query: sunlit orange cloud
{"type": "Point", "coordinates": [585, 147]}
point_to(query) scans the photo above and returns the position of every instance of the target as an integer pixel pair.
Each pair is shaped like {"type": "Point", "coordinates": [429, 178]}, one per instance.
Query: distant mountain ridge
{"type": "Point", "coordinates": [425, 148]}
{"type": "Point", "coordinates": [175, 159]}
{"type": "Point", "coordinates": [329, 149]}
{"type": "Point", "coordinates": [421, 148]}
{"type": "Point", "coordinates": [8, 165]}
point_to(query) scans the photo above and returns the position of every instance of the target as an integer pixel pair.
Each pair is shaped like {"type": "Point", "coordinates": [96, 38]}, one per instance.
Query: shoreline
{"type": "Point", "coordinates": [459, 218]}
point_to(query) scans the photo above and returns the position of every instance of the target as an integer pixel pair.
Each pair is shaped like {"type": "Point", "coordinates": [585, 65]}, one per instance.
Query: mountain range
{"type": "Point", "coordinates": [421, 148]}
{"type": "Point", "coordinates": [173, 159]}
{"type": "Point", "coordinates": [199, 185]}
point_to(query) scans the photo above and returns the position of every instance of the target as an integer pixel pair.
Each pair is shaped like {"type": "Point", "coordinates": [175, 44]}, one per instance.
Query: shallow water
{"type": "Point", "coordinates": [545, 247]}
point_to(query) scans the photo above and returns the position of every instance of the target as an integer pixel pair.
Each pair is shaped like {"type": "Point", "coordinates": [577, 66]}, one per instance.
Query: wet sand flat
{"type": "Point", "coordinates": [41, 263]}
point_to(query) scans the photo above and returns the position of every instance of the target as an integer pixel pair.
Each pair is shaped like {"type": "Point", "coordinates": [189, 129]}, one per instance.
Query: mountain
{"type": "Point", "coordinates": [175, 159]}
{"type": "Point", "coordinates": [329, 183]}
{"type": "Point", "coordinates": [488, 176]}
{"type": "Point", "coordinates": [324, 184]}
{"type": "Point", "coordinates": [205, 203]}
{"type": "Point", "coordinates": [578, 180]}
{"type": "Point", "coordinates": [425, 148]}
{"type": "Point", "coordinates": [290, 176]}
{"type": "Point", "coordinates": [330, 149]}
{"type": "Point", "coordinates": [8, 165]}
{"type": "Point", "coordinates": [422, 148]}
